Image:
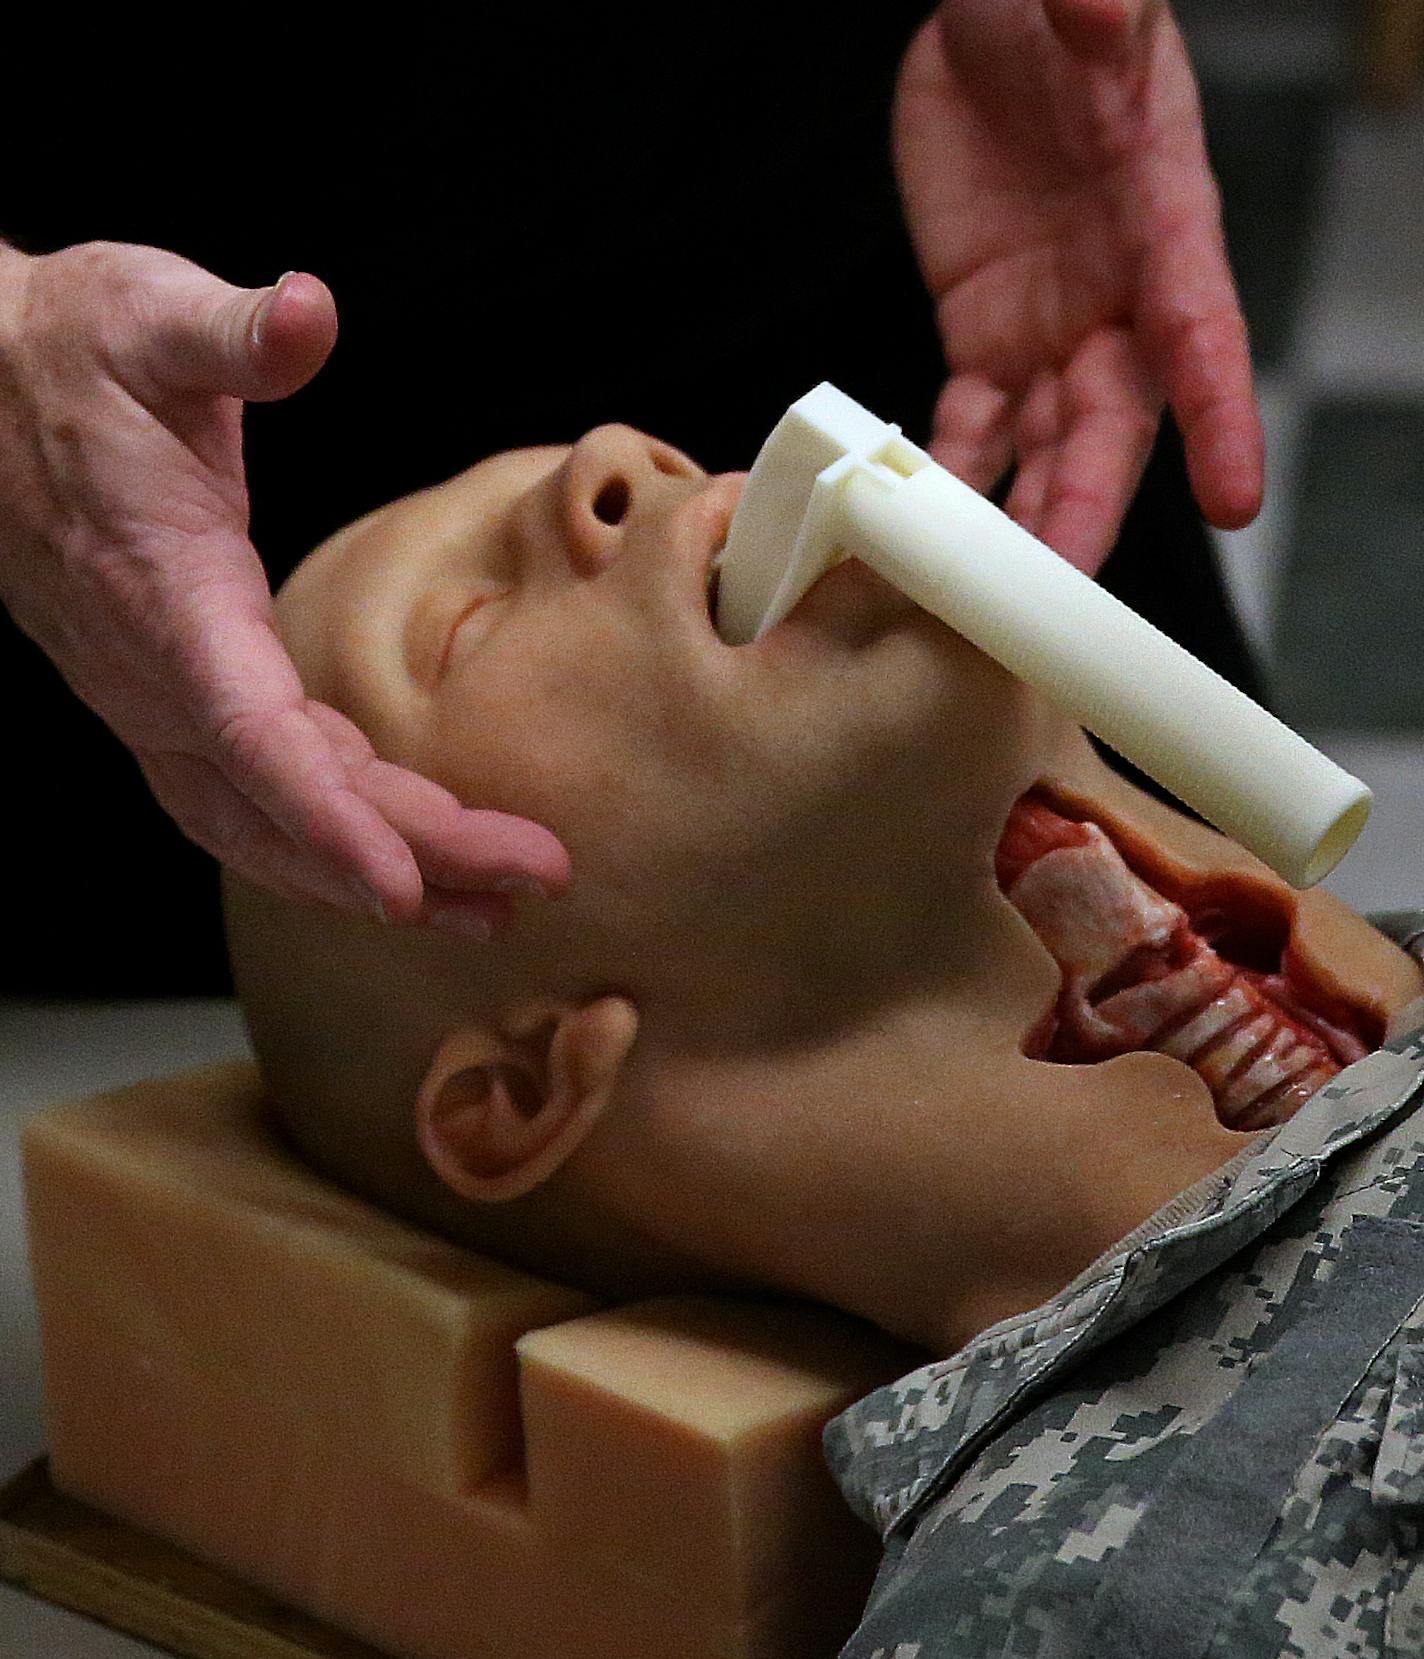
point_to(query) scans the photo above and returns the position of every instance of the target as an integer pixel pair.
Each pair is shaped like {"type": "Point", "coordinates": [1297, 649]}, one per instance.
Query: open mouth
{"type": "Point", "coordinates": [715, 525]}
{"type": "Point", "coordinates": [714, 584]}
{"type": "Point", "coordinates": [1209, 983]}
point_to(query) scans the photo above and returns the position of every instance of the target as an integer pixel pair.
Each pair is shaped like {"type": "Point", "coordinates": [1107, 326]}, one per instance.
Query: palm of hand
{"type": "Point", "coordinates": [1066, 223]}
{"type": "Point", "coordinates": [123, 511]}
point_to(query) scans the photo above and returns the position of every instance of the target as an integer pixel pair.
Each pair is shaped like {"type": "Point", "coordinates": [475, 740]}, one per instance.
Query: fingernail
{"type": "Point", "coordinates": [464, 922]}
{"type": "Point", "coordinates": [264, 311]}
{"type": "Point", "coordinates": [519, 886]}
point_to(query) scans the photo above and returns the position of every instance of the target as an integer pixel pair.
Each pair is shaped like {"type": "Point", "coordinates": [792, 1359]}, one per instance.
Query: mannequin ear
{"type": "Point", "coordinates": [503, 1105]}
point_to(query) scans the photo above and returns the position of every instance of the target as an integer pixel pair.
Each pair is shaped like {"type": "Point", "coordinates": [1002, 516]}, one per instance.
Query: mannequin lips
{"type": "Point", "coordinates": [1141, 973]}
{"type": "Point", "coordinates": [704, 523]}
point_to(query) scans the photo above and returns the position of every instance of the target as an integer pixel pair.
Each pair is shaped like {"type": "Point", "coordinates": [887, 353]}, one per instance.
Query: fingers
{"type": "Point", "coordinates": [404, 840]}
{"type": "Point", "coordinates": [1087, 484]}
{"type": "Point", "coordinates": [1080, 439]}
{"type": "Point", "coordinates": [280, 762]}
{"type": "Point", "coordinates": [1226, 451]}
{"type": "Point", "coordinates": [222, 820]}
{"type": "Point", "coordinates": [1207, 374]}
{"type": "Point", "coordinates": [457, 848]}
{"type": "Point", "coordinates": [296, 800]}
{"type": "Point", "coordinates": [1190, 319]}
{"type": "Point", "coordinates": [1196, 337]}
{"type": "Point", "coordinates": [1083, 439]}
{"type": "Point", "coordinates": [471, 861]}
{"type": "Point", "coordinates": [973, 430]}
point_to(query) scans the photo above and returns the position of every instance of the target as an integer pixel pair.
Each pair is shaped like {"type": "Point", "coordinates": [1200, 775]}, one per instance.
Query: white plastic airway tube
{"type": "Point", "coordinates": [834, 482]}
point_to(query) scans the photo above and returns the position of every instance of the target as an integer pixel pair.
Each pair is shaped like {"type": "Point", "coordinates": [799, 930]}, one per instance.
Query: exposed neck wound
{"type": "Point", "coordinates": [1141, 973]}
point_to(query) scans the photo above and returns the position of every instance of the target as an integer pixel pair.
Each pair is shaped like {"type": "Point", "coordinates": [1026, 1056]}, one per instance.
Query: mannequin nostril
{"type": "Point", "coordinates": [610, 505]}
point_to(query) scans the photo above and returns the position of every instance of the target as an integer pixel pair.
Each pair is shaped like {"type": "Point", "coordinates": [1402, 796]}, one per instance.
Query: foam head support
{"type": "Point", "coordinates": [834, 482]}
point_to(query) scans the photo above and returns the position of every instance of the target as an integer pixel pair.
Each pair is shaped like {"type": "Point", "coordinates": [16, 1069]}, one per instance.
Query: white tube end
{"type": "Point", "coordinates": [1334, 842]}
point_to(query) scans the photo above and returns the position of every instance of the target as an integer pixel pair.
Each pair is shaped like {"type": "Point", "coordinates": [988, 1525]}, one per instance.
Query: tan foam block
{"type": "Point", "coordinates": [247, 1362]}
{"type": "Point", "coordinates": [172, 1217]}
{"type": "Point", "coordinates": [417, 1574]}
{"type": "Point", "coordinates": [465, 1591]}
{"type": "Point", "coordinates": [239, 1482]}
{"type": "Point", "coordinates": [218, 1470]}
{"type": "Point", "coordinates": [690, 1429]}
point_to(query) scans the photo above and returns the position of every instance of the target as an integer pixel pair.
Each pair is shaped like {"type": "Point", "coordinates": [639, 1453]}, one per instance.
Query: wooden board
{"type": "Point", "coordinates": [65, 1552]}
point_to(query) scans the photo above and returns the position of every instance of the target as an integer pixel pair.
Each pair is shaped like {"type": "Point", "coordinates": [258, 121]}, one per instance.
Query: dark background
{"type": "Point", "coordinates": [530, 228]}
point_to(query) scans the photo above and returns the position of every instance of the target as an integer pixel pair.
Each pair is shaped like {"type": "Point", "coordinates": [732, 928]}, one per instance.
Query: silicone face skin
{"type": "Point", "coordinates": [536, 636]}
{"type": "Point", "coordinates": [799, 1025]}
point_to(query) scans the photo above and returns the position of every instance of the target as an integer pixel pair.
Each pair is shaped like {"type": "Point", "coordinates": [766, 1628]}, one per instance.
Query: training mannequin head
{"type": "Point", "coordinates": [776, 1036]}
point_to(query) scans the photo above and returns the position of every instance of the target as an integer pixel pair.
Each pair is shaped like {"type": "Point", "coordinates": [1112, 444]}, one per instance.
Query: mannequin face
{"type": "Point", "coordinates": [535, 635]}
{"type": "Point", "coordinates": [787, 988]}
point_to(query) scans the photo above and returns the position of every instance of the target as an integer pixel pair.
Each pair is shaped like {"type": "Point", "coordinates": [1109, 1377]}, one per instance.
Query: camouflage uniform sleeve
{"type": "Point", "coordinates": [1237, 1475]}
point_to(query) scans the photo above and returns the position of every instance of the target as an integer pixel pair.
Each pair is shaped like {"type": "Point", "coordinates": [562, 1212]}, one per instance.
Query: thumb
{"type": "Point", "coordinates": [292, 333]}
{"type": "Point", "coordinates": [256, 344]}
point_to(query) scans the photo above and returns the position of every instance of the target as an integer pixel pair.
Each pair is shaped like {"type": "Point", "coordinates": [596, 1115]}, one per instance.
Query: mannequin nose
{"type": "Point", "coordinates": [609, 475]}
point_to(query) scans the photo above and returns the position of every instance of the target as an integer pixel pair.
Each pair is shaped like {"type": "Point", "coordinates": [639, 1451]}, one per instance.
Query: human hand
{"type": "Point", "coordinates": [124, 555]}
{"type": "Point", "coordinates": [1055, 182]}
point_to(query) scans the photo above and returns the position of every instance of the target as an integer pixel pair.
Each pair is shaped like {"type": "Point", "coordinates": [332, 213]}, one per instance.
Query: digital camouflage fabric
{"type": "Point", "coordinates": [1210, 1443]}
